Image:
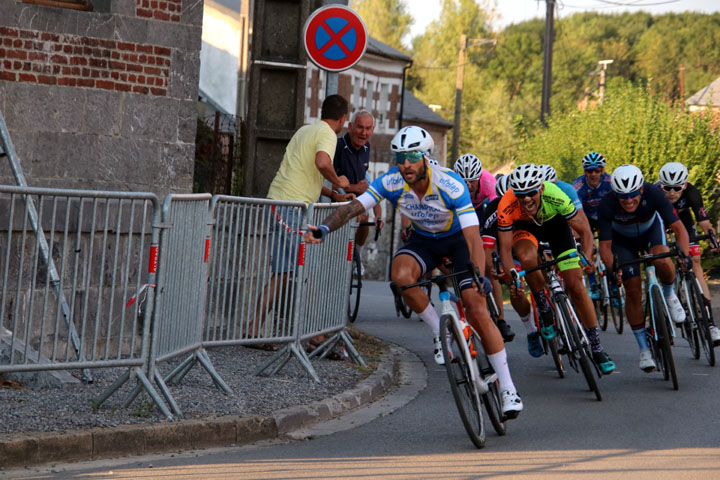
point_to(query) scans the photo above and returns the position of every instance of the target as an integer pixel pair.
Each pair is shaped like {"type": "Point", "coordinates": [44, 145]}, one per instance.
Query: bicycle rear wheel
{"type": "Point", "coordinates": [492, 400]}
{"type": "Point", "coordinates": [463, 389]}
{"type": "Point", "coordinates": [663, 334]}
{"type": "Point", "coordinates": [703, 324]}
{"type": "Point", "coordinates": [355, 288]}
{"type": "Point", "coordinates": [690, 325]}
{"type": "Point", "coordinates": [580, 352]}
{"type": "Point", "coordinates": [601, 311]}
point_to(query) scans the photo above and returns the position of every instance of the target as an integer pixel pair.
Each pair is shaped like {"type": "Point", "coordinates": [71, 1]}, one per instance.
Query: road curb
{"type": "Point", "coordinates": [34, 449]}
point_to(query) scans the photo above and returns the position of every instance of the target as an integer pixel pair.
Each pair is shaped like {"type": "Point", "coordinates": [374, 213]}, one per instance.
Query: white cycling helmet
{"type": "Point", "coordinates": [412, 139]}
{"type": "Point", "coordinates": [469, 167]}
{"type": "Point", "coordinates": [674, 174]}
{"type": "Point", "coordinates": [502, 185]}
{"type": "Point", "coordinates": [525, 178]}
{"type": "Point", "coordinates": [626, 179]}
{"type": "Point", "coordinates": [548, 173]}
{"type": "Point", "coordinates": [432, 161]}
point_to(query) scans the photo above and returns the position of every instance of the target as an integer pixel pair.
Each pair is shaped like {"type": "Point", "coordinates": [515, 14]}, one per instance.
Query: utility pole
{"type": "Point", "coordinates": [603, 68]}
{"type": "Point", "coordinates": [464, 43]}
{"type": "Point", "coordinates": [547, 65]}
{"type": "Point", "coordinates": [682, 83]}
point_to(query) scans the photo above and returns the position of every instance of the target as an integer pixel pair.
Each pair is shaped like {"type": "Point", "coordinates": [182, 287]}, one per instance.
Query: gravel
{"type": "Point", "coordinates": [69, 408]}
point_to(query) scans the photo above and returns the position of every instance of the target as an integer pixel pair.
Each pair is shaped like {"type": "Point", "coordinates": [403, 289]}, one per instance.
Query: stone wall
{"type": "Point", "coordinates": [102, 100]}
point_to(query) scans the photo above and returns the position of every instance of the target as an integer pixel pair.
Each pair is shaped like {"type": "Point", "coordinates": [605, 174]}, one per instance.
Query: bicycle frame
{"type": "Point", "coordinates": [650, 282]}
{"type": "Point", "coordinates": [556, 295]}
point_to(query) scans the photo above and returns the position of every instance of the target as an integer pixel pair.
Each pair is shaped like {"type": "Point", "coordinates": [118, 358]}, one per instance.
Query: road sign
{"type": "Point", "coordinates": [335, 37]}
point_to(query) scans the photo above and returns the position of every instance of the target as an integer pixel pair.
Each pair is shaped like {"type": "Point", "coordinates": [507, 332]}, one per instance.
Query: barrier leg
{"type": "Point", "coordinates": [323, 348]}
{"type": "Point", "coordinates": [98, 401]}
{"type": "Point", "coordinates": [352, 351]}
{"type": "Point", "coordinates": [261, 368]}
{"type": "Point", "coordinates": [181, 370]}
{"type": "Point", "coordinates": [166, 393]}
{"type": "Point", "coordinates": [204, 360]}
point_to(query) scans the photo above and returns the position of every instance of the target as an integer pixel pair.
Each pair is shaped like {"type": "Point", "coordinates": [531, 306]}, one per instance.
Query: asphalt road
{"type": "Point", "coordinates": [641, 429]}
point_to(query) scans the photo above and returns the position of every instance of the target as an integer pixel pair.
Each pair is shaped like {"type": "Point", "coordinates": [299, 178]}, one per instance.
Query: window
{"type": "Point", "coordinates": [357, 101]}
{"type": "Point", "coordinates": [73, 4]}
{"type": "Point", "coordinates": [369, 94]}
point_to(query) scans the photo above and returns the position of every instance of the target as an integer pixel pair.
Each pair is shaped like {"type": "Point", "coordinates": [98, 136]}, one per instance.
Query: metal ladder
{"type": "Point", "coordinates": [7, 150]}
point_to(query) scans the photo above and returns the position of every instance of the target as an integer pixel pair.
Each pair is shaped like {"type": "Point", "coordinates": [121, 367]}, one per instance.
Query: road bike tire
{"type": "Point", "coordinates": [601, 311]}
{"type": "Point", "coordinates": [703, 323]}
{"type": "Point", "coordinates": [492, 400]}
{"type": "Point", "coordinates": [355, 289]}
{"type": "Point", "coordinates": [690, 325]}
{"type": "Point", "coordinates": [582, 352]}
{"type": "Point", "coordinates": [663, 334]}
{"type": "Point", "coordinates": [467, 400]}
{"type": "Point", "coordinates": [553, 349]}
{"type": "Point", "coordinates": [617, 313]}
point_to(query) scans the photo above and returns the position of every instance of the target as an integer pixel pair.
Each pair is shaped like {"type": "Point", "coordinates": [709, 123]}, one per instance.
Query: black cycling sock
{"type": "Point", "coordinates": [541, 301]}
{"type": "Point", "coordinates": [594, 337]}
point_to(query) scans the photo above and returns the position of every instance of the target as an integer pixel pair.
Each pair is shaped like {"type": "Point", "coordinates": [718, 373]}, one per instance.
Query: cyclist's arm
{"type": "Point", "coordinates": [706, 226]}
{"type": "Point", "coordinates": [475, 245]}
{"type": "Point", "coordinates": [580, 224]}
{"type": "Point", "coordinates": [505, 249]}
{"type": "Point", "coordinates": [377, 210]}
{"type": "Point", "coordinates": [682, 236]}
{"type": "Point", "coordinates": [606, 254]}
{"type": "Point", "coordinates": [336, 219]}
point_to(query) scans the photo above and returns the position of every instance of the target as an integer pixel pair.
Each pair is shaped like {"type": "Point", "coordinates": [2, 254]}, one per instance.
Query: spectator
{"type": "Point", "coordinates": [352, 158]}
{"type": "Point", "coordinates": [307, 160]}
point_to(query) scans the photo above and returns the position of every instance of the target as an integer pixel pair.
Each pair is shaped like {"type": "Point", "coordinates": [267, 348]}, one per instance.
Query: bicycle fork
{"type": "Point", "coordinates": [653, 281]}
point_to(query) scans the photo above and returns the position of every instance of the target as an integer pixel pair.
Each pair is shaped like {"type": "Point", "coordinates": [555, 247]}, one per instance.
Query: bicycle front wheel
{"type": "Point", "coordinates": [703, 324]}
{"type": "Point", "coordinates": [464, 391]}
{"type": "Point", "coordinates": [355, 288]}
{"type": "Point", "coordinates": [580, 352]}
{"type": "Point", "coordinates": [663, 336]}
{"type": "Point", "coordinates": [616, 308]}
{"type": "Point", "coordinates": [551, 346]}
{"type": "Point", "coordinates": [492, 400]}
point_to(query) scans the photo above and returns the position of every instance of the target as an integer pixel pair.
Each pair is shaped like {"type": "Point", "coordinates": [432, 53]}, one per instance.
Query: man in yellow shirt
{"type": "Point", "coordinates": [308, 159]}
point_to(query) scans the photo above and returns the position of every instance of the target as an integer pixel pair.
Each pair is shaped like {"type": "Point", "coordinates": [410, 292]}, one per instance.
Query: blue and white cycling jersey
{"type": "Point", "coordinates": [444, 210]}
{"type": "Point", "coordinates": [569, 190]}
{"type": "Point", "coordinates": [590, 197]}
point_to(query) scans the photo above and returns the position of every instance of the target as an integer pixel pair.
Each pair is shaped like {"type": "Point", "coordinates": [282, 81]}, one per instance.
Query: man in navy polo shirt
{"type": "Point", "coordinates": [352, 158]}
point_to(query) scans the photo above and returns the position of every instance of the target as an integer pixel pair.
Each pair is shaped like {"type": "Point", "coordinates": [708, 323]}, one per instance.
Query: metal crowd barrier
{"type": "Point", "coordinates": [182, 289]}
{"type": "Point", "coordinates": [72, 264]}
{"type": "Point", "coordinates": [327, 285]}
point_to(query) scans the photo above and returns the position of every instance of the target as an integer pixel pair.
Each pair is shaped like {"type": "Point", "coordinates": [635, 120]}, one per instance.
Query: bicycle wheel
{"type": "Point", "coordinates": [492, 399]}
{"type": "Point", "coordinates": [580, 352]}
{"type": "Point", "coordinates": [601, 311]}
{"type": "Point", "coordinates": [617, 298]}
{"type": "Point", "coordinates": [554, 349]}
{"type": "Point", "coordinates": [690, 325]}
{"type": "Point", "coordinates": [703, 324]}
{"type": "Point", "coordinates": [355, 288]}
{"type": "Point", "coordinates": [463, 389]}
{"type": "Point", "coordinates": [663, 334]}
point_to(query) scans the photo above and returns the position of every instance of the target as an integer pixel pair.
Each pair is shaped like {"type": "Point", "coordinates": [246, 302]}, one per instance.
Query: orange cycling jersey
{"type": "Point", "coordinates": [553, 201]}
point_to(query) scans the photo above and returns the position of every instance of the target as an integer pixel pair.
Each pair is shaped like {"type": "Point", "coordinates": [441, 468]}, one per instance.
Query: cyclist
{"type": "Point", "coordinates": [591, 187]}
{"type": "Point", "coordinates": [632, 219]}
{"type": "Point", "coordinates": [469, 167]}
{"type": "Point", "coordinates": [685, 197]}
{"type": "Point", "coordinates": [549, 174]}
{"type": "Point", "coordinates": [536, 210]}
{"type": "Point", "coordinates": [444, 224]}
{"type": "Point", "coordinates": [517, 298]}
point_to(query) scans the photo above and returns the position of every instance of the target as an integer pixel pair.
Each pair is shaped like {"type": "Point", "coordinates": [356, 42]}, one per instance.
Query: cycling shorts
{"type": "Point", "coordinates": [429, 252]}
{"type": "Point", "coordinates": [285, 224]}
{"type": "Point", "coordinates": [555, 232]}
{"type": "Point", "coordinates": [630, 248]}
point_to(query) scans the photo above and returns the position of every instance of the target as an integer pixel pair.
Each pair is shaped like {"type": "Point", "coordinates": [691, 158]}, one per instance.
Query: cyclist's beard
{"type": "Point", "coordinates": [421, 175]}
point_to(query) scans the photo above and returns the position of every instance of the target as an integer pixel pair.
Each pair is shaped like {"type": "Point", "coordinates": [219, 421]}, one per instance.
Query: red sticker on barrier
{"type": "Point", "coordinates": [152, 266]}
{"type": "Point", "coordinates": [207, 249]}
{"type": "Point", "coordinates": [350, 251]}
{"type": "Point", "coordinates": [301, 255]}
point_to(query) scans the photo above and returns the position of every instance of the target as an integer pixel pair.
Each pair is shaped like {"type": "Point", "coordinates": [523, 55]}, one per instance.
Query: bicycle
{"type": "Point", "coordinates": [356, 275]}
{"type": "Point", "coordinates": [572, 340]}
{"type": "Point", "coordinates": [661, 332]}
{"type": "Point", "coordinates": [473, 382]}
{"type": "Point", "coordinates": [612, 299]}
{"type": "Point", "coordinates": [696, 329]}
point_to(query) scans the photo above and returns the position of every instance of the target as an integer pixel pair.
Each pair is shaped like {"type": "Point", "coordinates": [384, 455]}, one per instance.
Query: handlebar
{"type": "Point", "coordinates": [516, 276]}
{"type": "Point", "coordinates": [438, 279]}
{"type": "Point", "coordinates": [376, 224]}
{"type": "Point", "coordinates": [711, 238]}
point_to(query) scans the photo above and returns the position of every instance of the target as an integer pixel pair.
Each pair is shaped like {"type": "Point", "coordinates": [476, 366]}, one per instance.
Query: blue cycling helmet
{"type": "Point", "coordinates": [593, 160]}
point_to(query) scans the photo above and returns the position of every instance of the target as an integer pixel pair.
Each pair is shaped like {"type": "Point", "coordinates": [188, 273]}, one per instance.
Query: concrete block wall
{"type": "Point", "coordinates": [102, 100]}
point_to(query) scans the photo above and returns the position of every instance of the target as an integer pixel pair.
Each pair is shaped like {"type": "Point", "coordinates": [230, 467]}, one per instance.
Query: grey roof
{"type": "Point", "coordinates": [379, 48]}
{"type": "Point", "coordinates": [707, 96]}
{"type": "Point", "coordinates": [415, 110]}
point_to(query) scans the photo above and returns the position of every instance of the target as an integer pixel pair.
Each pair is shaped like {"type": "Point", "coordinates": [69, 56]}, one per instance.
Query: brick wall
{"type": "Point", "coordinates": [103, 100]}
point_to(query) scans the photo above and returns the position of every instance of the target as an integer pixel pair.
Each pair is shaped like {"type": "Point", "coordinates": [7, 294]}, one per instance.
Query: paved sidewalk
{"type": "Point", "coordinates": [90, 444]}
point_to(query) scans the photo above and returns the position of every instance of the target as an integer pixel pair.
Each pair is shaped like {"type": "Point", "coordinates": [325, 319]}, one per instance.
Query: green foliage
{"type": "Point", "coordinates": [633, 126]}
{"type": "Point", "coordinates": [386, 20]}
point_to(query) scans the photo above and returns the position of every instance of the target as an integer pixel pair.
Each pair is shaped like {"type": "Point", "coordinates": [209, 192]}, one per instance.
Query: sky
{"type": "Point", "coordinates": [514, 11]}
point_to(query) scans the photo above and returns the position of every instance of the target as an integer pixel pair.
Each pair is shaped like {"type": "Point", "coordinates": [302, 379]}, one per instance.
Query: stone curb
{"type": "Point", "coordinates": [82, 445]}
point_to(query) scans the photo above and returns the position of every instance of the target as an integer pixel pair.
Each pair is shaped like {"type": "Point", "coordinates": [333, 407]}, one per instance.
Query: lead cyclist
{"type": "Point", "coordinates": [444, 224]}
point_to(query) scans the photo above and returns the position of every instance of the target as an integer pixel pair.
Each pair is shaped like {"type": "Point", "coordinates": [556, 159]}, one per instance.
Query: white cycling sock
{"type": "Point", "coordinates": [431, 319]}
{"type": "Point", "coordinates": [499, 363]}
{"type": "Point", "coordinates": [530, 327]}
{"type": "Point", "coordinates": [359, 249]}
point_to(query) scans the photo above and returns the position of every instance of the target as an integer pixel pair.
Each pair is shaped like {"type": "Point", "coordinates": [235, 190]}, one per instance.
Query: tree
{"type": "Point", "coordinates": [386, 20]}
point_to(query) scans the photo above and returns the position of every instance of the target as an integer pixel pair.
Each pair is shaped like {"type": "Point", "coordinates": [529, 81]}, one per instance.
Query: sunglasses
{"type": "Point", "coordinates": [628, 196]}
{"type": "Point", "coordinates": [672, 188]}
{"type": "Point", "coordinates": [531, 193]}
{"type": "Point", "coordinates": [413, 157]}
